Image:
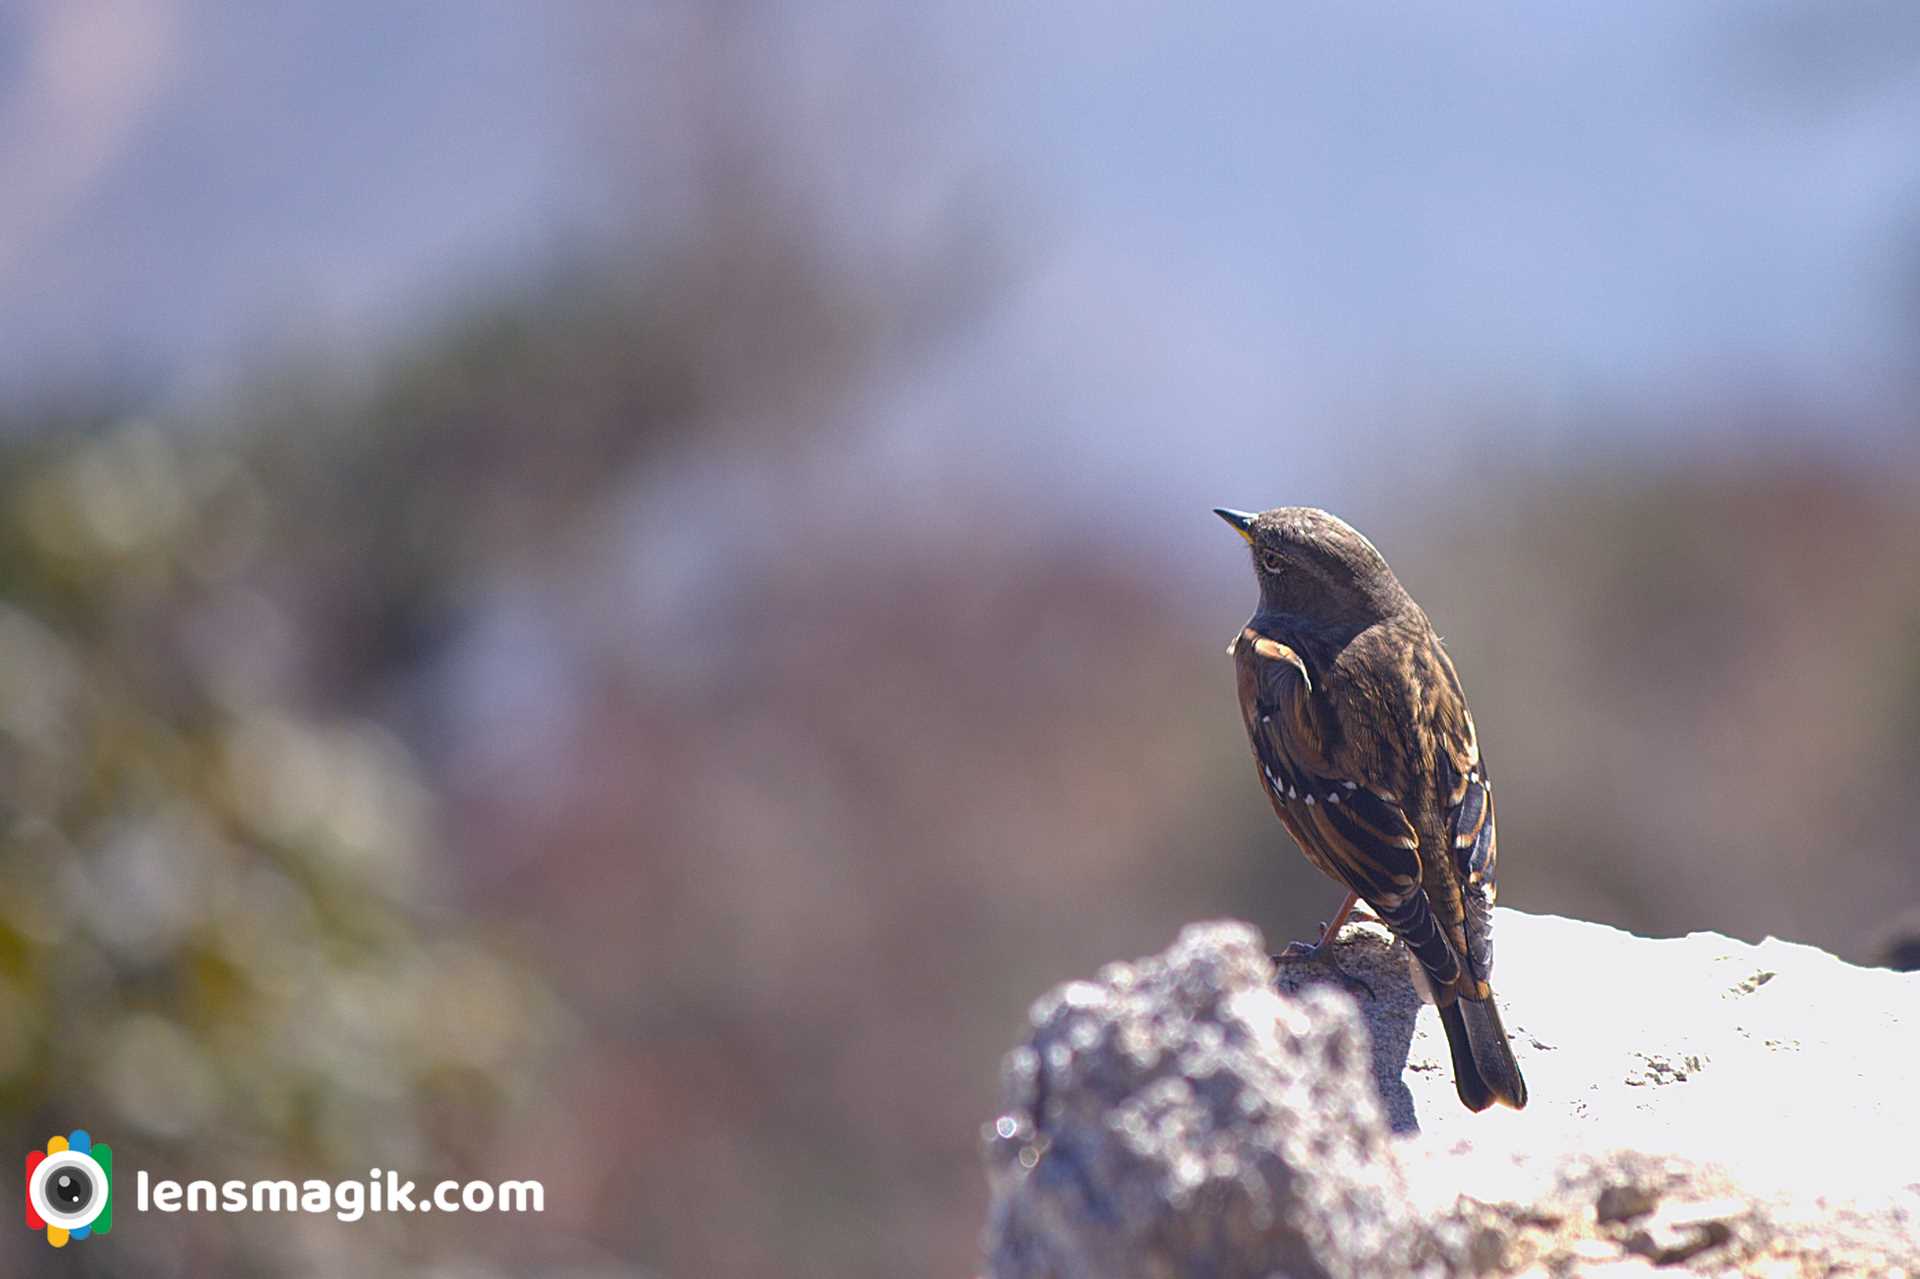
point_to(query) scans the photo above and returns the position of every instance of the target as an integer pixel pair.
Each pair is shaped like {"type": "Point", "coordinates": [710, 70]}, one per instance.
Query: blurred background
{"type": "Point", "coordinates": [605, 592]}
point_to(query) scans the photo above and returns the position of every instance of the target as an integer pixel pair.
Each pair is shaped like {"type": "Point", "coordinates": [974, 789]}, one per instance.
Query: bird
{"type": "Point", "coordinates": [1368, 753]}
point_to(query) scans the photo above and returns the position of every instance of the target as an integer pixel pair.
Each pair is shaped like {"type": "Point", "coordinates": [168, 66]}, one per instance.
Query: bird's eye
{"type": "Point", "coordinates": [1271, 561]}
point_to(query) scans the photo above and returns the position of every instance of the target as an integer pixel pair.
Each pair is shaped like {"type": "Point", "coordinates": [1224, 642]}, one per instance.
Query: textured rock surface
{"type": "Point", "coordinates": [1699, 1106]}
{"type": "Point", "coordinates": [1179, 1117]}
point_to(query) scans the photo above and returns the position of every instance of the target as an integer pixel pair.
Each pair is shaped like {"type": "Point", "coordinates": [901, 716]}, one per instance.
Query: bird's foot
{"type": "Point", "coordinates": [1321, 956]}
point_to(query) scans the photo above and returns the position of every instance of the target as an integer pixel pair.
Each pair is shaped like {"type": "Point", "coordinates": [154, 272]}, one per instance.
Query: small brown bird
{"type": "Point", "coordinates": [1366, 748]}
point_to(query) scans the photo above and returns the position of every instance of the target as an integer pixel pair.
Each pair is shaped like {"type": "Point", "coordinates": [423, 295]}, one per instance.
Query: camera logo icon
{"type": "Point", "coordinates": [70, 1188]}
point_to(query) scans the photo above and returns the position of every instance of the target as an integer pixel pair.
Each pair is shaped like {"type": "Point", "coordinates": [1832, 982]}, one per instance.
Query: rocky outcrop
{"type": "Point", "coordinates": [1699, 1106]}
{"type": "Point", "coordinates": [1179, 1117]}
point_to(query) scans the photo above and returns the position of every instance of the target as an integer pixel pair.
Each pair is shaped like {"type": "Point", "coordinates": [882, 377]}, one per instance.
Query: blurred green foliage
{"type": "Point", "coordinates": [223, 933]}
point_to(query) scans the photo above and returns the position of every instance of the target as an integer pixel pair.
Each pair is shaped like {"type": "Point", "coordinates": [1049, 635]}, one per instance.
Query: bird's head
{"type": "Point", "coordinates": [1314, 565]}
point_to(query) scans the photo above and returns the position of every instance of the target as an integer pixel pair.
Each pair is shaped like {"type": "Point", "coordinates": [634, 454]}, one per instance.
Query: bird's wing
{"type": "Point", "coordinates": [1349, 824]}
{"type": "Point", "coordinates": [1475, 852]}
{"type": "Point", "coordinates": [1467, 793]}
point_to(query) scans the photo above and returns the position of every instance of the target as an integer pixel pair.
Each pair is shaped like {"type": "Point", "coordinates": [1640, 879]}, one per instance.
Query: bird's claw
{"type": "Point", "coordinates": [1321, 956]}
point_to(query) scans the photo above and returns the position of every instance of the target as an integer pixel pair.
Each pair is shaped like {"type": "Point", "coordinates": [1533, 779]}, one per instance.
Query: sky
{"type": "Point", "coordinates": [1288, 232]}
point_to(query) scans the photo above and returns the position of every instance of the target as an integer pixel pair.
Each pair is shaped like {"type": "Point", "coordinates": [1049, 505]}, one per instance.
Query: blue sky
{"type": "Point", "coordinates": [1276, 223]}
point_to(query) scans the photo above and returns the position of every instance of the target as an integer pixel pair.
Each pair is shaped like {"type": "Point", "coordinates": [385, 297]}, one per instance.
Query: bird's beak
{"type": "Point", "coordinates": [1242, 521]}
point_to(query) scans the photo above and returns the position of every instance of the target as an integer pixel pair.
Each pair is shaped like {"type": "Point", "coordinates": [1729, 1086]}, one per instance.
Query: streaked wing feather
{"type": "Point", "coordinates": [1348, 827]}
{"type": "Point", "coordinates": [1476, 856]}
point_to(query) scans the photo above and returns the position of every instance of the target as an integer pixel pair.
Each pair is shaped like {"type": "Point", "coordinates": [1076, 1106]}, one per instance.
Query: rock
{"type": "Point", "coordinates": [1698, 1106]}
{"type": "Point", "coordinates": [1679, 1232]}
{"type": "Point", "coordinates": [1180, 1117]}
{"type": "Point", "coordinates": [1769, 1059]}
{"type": "Point", "coordinates": [1624, 1202]}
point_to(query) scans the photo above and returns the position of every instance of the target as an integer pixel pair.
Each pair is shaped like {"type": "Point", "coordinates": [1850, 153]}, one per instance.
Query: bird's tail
{"type": "Point", "coordinates": [1484, 1070]}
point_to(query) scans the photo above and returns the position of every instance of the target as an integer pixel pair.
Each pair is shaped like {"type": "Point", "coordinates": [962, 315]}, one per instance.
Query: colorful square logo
{"type": "Point", "coordinates": [70, 1188]}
